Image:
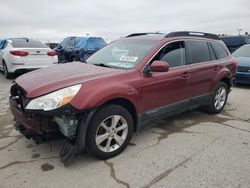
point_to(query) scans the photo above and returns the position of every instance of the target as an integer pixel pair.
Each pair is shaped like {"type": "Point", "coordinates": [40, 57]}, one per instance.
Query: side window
{"type": "Point", "coordinates": [95, 43]}
{"type": "Point", "coordinates": [211, 51]}
{"type": "Point", "coordinates": [64, 43]}
{"type": "Point", "coordinates": [220, 52]}
{"type": "Point", "coordinates": [71, 43]}
{"type": "Point", "coordinates": [173, 53]}
{"type": "Point", "coordinates": [198, 51]}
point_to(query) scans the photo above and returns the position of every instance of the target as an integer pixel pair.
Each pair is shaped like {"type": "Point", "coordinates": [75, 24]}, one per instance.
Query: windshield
{"type": "Point", "coordinates": [122, 54]}
{"type": "Point", "coordinates": [244, 51]}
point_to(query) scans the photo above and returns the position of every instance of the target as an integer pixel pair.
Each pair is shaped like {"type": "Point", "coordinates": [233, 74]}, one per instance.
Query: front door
{"type": "Point", "coordinates": [167, 92]}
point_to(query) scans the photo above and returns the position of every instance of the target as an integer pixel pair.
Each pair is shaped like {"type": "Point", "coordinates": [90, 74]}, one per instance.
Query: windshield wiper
{"type": "Point", "coordinates": [101, 65]}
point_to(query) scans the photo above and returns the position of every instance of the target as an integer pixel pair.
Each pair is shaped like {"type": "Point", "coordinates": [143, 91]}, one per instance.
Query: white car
{"type": "Point", "coordinates": [19, 55]}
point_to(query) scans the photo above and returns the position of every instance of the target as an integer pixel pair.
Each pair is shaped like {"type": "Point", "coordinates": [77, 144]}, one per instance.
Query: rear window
{"type": "Point", "coordinates": [198, 52]}
{"type": "Point", "coordinates": [29, 44]}
{"type": "Point", "coordinates": [219, 51]}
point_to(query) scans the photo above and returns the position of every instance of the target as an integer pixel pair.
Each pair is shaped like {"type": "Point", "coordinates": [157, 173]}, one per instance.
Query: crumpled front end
{"type": "Point", "coordinates": [39, 125]}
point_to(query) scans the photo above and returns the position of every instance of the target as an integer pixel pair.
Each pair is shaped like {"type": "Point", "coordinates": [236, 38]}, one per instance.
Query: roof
{"type": "Point", "coordinates": [161, 36]}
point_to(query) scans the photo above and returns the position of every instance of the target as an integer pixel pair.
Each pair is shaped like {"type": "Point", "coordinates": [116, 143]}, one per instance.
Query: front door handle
{"type": "Point", "coordinates": [185, 75]}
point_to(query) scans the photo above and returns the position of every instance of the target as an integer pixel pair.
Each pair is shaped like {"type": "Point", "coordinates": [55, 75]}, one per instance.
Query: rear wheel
{"type": "Point", "coordinates": [5, 71]}
{"type": "Point", "coordinates": [219, 99]}
{"type": "Point", "coordinates": [109, 131]}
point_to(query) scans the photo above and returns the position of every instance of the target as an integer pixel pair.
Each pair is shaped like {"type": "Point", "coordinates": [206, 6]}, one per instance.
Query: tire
{"type": "Point", "coordinates": [73, 59]}
{"type": "Point", "coordinates": [6, 72]}
{"type": "Point", "coordinates": [106, 139]}
{"type": "Point", "coordinates": [219, 99]}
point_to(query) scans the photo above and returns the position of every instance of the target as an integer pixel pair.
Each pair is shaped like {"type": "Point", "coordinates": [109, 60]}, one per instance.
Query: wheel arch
{"type": "Point", "coordinates": [128, 105]}
{"type": "Point", "coordinates": [227, 81]}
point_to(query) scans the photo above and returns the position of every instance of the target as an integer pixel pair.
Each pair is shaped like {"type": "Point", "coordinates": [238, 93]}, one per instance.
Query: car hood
{"type": "Point", "coordinates": [46, 80]}
{"type": "Point", "coordinates": [243, 61]}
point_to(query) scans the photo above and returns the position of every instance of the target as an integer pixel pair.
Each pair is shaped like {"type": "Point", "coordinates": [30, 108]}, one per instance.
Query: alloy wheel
{"type": "Point", "coordinates": [220, 98]}
{"type": "Point", "coordinates": [111, 133]}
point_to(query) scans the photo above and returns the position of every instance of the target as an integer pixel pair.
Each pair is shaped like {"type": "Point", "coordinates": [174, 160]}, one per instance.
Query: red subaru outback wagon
{"type": "Point", "coordinates": [97, 105]}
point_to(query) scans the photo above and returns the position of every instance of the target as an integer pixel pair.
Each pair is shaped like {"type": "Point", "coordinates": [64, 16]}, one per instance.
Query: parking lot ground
{"type": "Point", "coordinates": [193, 149]}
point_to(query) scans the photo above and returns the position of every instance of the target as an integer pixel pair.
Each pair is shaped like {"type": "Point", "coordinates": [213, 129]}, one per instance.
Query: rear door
{"type": "Point", "coordinates": [202, 70]}
{"type": "Point", "coordinates": [167, 92]}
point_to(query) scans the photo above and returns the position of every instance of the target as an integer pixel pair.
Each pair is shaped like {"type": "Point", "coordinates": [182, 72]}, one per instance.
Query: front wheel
{"type": "Point", "coordinates": [219, 98]}
{"type": "Point", "coordinates": [109, 131]}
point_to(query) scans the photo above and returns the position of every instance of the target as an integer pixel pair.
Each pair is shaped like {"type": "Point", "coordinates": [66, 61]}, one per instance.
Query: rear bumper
{"type": "Point", "coordinates": [242, 77]}
{"type": "Point", "coordinates": [26, 68]}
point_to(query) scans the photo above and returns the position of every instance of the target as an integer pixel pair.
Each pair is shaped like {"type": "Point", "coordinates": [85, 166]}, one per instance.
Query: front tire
{"type": "Point", "coordinates": [109, 132]}
{"type": "Point", "coordinates": [219, 98]}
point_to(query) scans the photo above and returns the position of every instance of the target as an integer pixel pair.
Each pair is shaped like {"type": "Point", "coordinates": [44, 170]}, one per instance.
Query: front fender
{"type": "Point", "coordinates": [93, 96]}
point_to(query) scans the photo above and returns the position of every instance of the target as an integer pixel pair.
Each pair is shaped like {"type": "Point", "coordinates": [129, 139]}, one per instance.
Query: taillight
{"type": "Point", "coordinates": [19, 53]}
{"type": "Point", "coordinates": [52, 53]}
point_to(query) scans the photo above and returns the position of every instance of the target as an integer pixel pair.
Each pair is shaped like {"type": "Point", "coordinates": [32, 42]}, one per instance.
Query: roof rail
{"type": "Point", "coordinates": [139, 34]}
{"type": "Point", "coordinates": [193, 33]}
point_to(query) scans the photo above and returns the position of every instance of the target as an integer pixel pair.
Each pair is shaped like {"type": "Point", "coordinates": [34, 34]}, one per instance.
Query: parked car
{"type": "Point", "coordinates": [88, 46]}
{"type": "Point", "coordinates": [18, 55]}
{"type": "Point", "coordinates": [243, 69]}
{"type": "Point", "coordinates": [131, 82]}
{"type": "Point", "coordinates": [64, 50]}
{"type": "Point", "coordinates": [78, 48]}
{"type": "Point", "coordinates": [234, 42]}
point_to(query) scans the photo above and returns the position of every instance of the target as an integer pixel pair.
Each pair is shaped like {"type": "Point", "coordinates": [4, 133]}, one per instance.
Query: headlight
{"type": "Point", "coordinates": [54, 100]}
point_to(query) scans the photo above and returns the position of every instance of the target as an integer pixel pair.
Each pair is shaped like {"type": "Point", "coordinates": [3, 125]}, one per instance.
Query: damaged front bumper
{"type": "Point", "coordinates": [43, 126]}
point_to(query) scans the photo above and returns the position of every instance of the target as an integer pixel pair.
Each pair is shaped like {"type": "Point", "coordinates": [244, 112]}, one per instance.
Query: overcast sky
{"type": "Point", "coordinates": [53, 20]}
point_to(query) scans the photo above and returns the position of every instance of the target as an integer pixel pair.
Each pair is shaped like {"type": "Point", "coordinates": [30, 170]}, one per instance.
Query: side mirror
{"type": "Point", "coordinates": [159, 66]}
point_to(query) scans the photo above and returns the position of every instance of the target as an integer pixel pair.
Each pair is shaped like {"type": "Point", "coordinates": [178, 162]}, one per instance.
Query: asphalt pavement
{"type": "Point", "coordinates": [193, 149]}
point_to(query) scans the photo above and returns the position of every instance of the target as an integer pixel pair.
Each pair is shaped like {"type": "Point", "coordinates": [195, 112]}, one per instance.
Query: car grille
{"type": "Point", "coordinates": [243, 69]}
{"type": "Point", "coordinates": [18, 94]}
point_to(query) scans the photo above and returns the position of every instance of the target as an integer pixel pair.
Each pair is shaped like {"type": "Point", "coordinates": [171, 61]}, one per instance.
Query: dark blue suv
{"type": "Point", "coordinates": [234, 42]}
{"type": "Point", "coordinates": [78, 48]}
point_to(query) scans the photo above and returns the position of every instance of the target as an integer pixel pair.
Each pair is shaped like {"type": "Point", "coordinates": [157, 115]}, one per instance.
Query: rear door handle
{"type": "Point", "coordinates": [185, 75]}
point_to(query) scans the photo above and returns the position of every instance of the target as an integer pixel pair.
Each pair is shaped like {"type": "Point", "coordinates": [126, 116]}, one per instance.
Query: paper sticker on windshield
{"type": "Point", "coordinates": [128, 58]}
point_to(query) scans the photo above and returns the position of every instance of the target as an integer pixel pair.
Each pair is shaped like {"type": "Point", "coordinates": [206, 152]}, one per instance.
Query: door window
{"type": "Point", "coordinates": [94, 43]}
{"type": "Point", "coordinates": [71, 43]}
{"type": "Point", "coordinates": [198, 52]}
{"type": "Point", "coordinates": [174, 54]}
